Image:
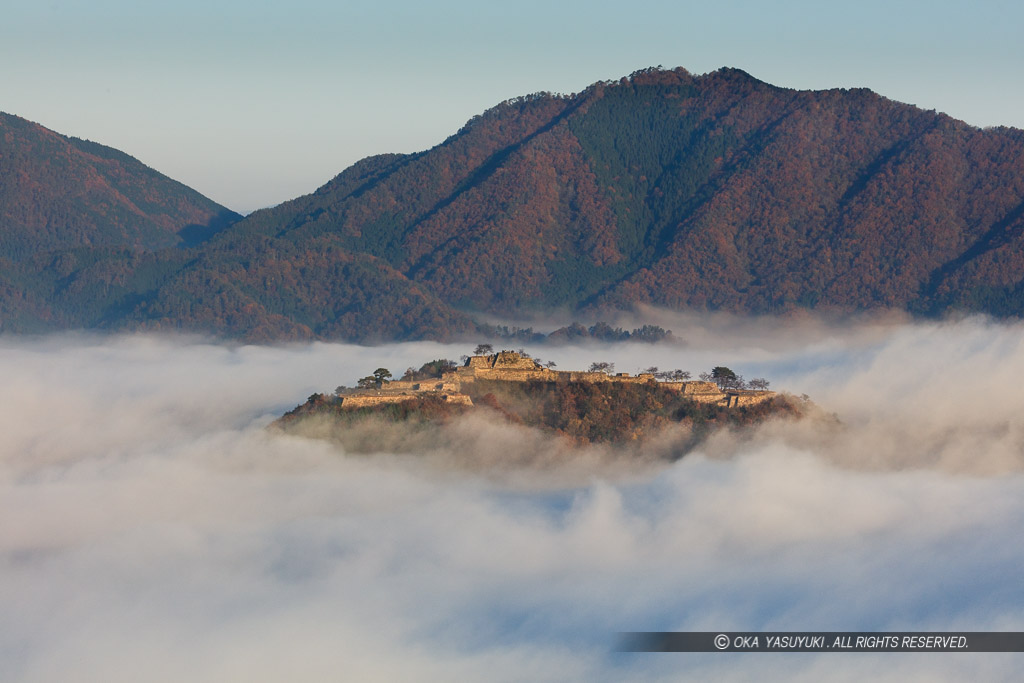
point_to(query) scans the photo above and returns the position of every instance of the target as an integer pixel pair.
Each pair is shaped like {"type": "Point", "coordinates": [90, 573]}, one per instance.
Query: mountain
{"type": "Point", "coordinates": [715, 192]}
{"type": "Point", "coordinates": [712, 192]}
{"type": "Point", "coordinates": [75, 218]}
{"type": "Point", "coordinates": [72, 209]}
{"type": "Point", "coordinates": [59, 192]}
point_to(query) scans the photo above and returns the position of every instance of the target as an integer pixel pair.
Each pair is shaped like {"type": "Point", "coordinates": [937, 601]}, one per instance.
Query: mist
{"type": "Point", "coordinates": [152, 528]}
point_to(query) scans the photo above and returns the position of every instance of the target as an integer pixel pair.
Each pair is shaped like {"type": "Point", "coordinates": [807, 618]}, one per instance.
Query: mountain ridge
{"type": "Point", "coordinates": [61, 192]}
{"type": "Point", "coordinates": [715, 192]}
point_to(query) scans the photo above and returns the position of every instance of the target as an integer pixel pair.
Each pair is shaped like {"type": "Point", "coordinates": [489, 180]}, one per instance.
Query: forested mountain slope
{"type": "Point", "coordinates": [713, 192]}
{"type": "Point", "coordinates": [58, 192]}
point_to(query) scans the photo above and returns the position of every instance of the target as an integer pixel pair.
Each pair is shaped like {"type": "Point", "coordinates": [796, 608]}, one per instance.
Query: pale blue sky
{"type": "Point", "coordinates": [253, 103]}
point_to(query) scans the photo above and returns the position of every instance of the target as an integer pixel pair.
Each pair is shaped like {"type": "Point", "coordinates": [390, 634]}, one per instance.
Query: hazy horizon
{"type": "Point", "coordinates": [152, 529]}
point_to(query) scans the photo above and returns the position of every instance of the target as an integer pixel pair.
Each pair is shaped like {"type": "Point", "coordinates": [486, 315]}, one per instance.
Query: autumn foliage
{"type": "Point", "coordinates": [713, 192]}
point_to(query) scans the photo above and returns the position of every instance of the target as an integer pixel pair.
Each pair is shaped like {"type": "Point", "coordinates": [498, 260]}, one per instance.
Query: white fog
{"type": "Point", "coordinates": [152, 529]}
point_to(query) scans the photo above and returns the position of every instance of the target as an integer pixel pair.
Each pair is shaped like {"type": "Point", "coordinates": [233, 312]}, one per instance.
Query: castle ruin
{"type": "Point", "coordinates": [510, 366]}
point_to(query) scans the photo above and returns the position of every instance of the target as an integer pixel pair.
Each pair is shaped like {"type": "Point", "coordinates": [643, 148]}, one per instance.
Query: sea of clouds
{"type": "Point", "coordinates": [152, 528]}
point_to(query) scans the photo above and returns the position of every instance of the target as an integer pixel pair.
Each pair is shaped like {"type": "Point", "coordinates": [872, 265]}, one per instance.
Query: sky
{"type": "Point", "coordinates": [253, 103]}
{"type": "Point", "coordinates": [152, 529]}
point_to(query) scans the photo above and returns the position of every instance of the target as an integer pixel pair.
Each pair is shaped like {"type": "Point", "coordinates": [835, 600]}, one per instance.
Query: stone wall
{"type": "Point", "coordinates": [363, 400]}
{"type": "Point", "coordinates": [503, 360]}
{"type": "Point", "coordinates": [701, 388]}
{"type": "Point", "coordinates": [702, 392]}
{"type": "Point", "coordinates": [719, 399]}
{"type": "Point", "coordinates": [409, 385]}
{"type": "Point", "coordinates": [512, 375]}
{"type": "Point", "coordinates": [748, 398]}
{"type": "Point", "coordinates": [510, 360]}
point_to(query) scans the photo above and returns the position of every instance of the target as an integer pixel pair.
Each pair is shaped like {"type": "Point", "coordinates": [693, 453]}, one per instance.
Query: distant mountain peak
{"type": "Point", "coordinates": [716, 192]}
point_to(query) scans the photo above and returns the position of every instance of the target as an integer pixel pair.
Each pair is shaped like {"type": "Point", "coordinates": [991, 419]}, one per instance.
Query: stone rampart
{"type": "Point", "coordinates": [511, 375]}
{"type": "Point", "coordinates": [398, 384]}
{"type": "Point", "coordinates": [363, 400]}
{"type": "Point", "coordinates": [510, 360]}
{"type": "Point", "coordinates": [714, 399]}
{"type": "Point", "coordinates": [701, 388]}
{"type": "Point", "coordinates": [702, 392]}
{"type": "Point", "coordinates": [748, 398]}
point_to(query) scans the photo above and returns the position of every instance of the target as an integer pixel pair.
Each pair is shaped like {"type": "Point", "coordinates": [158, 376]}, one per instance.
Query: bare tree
{"type": "Point", "coordinates": [674, 375]}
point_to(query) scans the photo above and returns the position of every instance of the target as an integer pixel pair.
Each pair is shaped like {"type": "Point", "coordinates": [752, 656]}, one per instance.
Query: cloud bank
{"type": "Point", "coordinates": [152, 529]}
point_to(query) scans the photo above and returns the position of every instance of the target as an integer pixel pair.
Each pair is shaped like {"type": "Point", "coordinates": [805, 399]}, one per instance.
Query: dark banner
{"type": "Point", "coordinates": [819, 641]}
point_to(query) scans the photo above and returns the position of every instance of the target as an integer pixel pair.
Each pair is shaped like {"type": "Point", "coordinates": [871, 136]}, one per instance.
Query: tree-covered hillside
{"type": "Point", "coordinates": [58, 192]}
{"type": "Point", "coordinates": [713, 192]}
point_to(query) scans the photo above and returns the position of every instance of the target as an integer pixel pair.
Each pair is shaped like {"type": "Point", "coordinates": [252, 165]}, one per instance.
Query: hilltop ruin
{"type": "Point", "coordinates": [510, 366]}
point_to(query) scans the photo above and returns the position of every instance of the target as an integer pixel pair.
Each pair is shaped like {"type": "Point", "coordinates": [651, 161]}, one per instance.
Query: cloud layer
{"type": "Point", "coordinates": [151, 529]}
